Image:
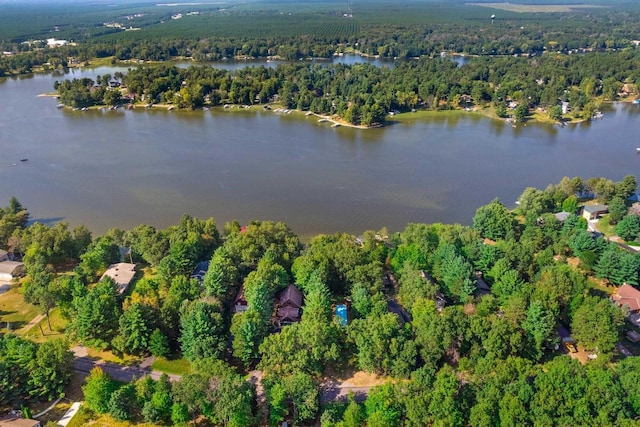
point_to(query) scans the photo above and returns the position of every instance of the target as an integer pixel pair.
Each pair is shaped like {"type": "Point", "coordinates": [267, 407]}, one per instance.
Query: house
{"type": "Point", "coordinates": [4, 255]}
{"type": "Point", "coordinates": [564, 105]}
{"type": "Point", "coordinates": [288, 305]}
{"type": "Point", "coordinates": [16, 421]}
{"type": "Point", "coordinates": [629, 297]}
{"type": "Point", "coordinates": [200, 270]}
{"type": "Point", "coordinates": [565, 337]}
{"type": "Point", "coordinates": [10, 270]}
{"type": "Point", "coordinates": [240, 303]}
{"type": "Point", "coordinates": [591, 212]}
{"type": "Point", "coordinates": [122, 275]}
{"type": "Point", "coordinates": [482, 289]}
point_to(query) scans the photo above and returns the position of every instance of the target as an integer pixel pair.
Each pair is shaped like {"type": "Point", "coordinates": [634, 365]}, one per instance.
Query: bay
{"type": "Point", "coordinates": [122, 168]}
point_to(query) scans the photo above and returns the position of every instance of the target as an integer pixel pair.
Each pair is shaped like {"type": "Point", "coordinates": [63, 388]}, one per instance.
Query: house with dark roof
{"type": "Point", "coordinates": [626, 296]}
{"type": "Point", "coordinates": [200, 270]}
{"type": "Point", "coordinates": [288, 305]}
{"type": "Point", "coordinates": [591, 212]}
{"type": "Point", "coordinates": [482, 289]}
{"type": "Point", "coordinates": [240, 304]}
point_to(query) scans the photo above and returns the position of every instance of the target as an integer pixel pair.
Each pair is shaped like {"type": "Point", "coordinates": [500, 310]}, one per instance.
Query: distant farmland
{"type": "Point", "coordinates": [536, 8]}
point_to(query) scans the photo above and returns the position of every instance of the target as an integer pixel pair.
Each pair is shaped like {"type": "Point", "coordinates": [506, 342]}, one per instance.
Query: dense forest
{"type": "Point", "coordinates": [463, 321]}
{"type": "Point", "coordinates": [364, 94]}
{"type": "Point", "coordinates": [295, 30]}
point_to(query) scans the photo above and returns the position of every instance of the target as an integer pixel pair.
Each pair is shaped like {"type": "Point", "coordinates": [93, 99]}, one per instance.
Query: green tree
{"type": "Point", "coordinates": [135, 329]}
{"type": "Point", "coordinates": [202, 329]}
{"type": "Point", "coordinates": [596, 324]}
{"type": "Point", "coordinates": [539, 326]}
{"type": "Point", "coordinates": [98, 389]}
{"type": "Point", "coordinates": [617, 209]}
{"type": "Point", "coordinates": [628, 228]}
{"type": "Point", "coordinates": [120, 403]}
{"type": "Point", "coordinates": [493, 221]}
{"type": "Point", "coordinates": [555, 113]}
{"type": "Point", "coordinates": [158, 344]}
{"type": "Point", "coordinates": [51, 369]}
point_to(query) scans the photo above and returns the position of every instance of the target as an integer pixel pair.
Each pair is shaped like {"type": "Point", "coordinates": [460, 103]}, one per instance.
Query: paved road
{"type": "Point", "coordinates": [84, 365]}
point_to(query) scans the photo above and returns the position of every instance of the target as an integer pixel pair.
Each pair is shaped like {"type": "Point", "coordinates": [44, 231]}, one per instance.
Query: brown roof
{"type": "Point", "coordinates": [240, 298]}
{"type": "Point", "coordinates": [627, 295]}
{"type": "Point", "coordinates": [288, 314]}
{"type": "Point", "coordinates": [19, 422]}
{"type": "Point", "coordinates": [291, 296]}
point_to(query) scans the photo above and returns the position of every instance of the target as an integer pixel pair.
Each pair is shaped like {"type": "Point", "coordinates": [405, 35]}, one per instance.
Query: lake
{"type": "Point", "coordinates": [123, 168]}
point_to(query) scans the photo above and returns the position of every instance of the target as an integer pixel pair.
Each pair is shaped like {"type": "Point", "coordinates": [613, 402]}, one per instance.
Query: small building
{"type": "Point", "coordinates": [4, 255]}
{"type": "Point", "coordinates": [200, 271]}
{"type": "Point", "coordinates": [10, 270]}
{"type": "Point", "coordinates": [591, 212]}
{"type": "Point", "coordinates": [288, 305]}
{"type": "Point", "coordinates": [628, 297]}
{"type": "Point", "coordinates": [565, 106]}
{"type": "Point", "coordinates": [122, 275]}
{"type": "Point", "coordinates": [240, 304]}
{"type": "Point", "coordinates": [16, 421]}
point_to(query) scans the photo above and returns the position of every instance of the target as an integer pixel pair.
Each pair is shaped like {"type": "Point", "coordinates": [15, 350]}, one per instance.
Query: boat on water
{"type": "Point", "coordinates": [322, 120]}
{"type": "Point", "coordinates": [636, 101]}
{"type": "Point", "coordinates": [335, 125]}
{"type": "Point", "coordinates": [24, 160]}
{"type": "Point", "coordinates": [638, 150]}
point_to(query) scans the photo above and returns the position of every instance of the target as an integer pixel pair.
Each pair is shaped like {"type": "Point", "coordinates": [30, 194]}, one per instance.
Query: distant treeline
{"type": "Point", "coordinates": [363, 93]}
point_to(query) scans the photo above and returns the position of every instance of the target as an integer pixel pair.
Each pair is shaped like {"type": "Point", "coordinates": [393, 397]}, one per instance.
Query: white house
{"type": "Point", "coordinates": [122, 274]}
{"type": "Point", "coordinates": [10, 270]}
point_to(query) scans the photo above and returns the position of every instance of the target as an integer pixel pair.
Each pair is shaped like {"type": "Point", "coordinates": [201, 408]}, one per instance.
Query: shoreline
{"type": "Point", "coordinates": [536, 117]}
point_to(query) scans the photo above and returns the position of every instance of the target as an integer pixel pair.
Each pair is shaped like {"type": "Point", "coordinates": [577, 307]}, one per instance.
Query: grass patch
{"type": "Point", "coordinates": [14, 310]}
{"type": "Point", "coordinates": [58, 327]}
{"type": "Point", "coordinates": [605, 227]}
{"type": "Point", "coordinates": [108, 356]}
{"type": "Point", "coordinates": [176, 367]}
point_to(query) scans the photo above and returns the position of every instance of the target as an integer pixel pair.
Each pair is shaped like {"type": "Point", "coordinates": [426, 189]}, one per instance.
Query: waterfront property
{"type": "Point", "coordinates": [288, 305]}
{"type": "Point", "coordinates": [200, 271]}
{"type": "Point", "coordinates": [240, 304]}
{"type": "Point", "coordinates": [591, 212]}
{"type": "Point", "coordinates": [122, 275]}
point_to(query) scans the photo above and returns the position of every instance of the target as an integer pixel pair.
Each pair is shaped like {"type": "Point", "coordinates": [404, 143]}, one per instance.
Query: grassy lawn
{"type": "Point", "coordinates": [58, 325]}
{"type": "Point", "coordinates": [176, 367]}
{"type": "Point", "coordinates": [14, 310]}
{"type": "Point", "coordinates": [108, 356]}
{"type": "Point", "coordinates": [605, 227]}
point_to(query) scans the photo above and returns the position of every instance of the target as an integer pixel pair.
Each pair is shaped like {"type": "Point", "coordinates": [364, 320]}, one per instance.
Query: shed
{"type": "Point", "coordinates": [122, 274]}
{"type": "Point", "coordinates": [11, 269]}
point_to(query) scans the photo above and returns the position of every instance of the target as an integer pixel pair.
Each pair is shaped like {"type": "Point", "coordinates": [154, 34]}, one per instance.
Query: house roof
{"type": "Point", "coordinates": [3, 253]}
{"type": "Point", "coordinates": [291, 296]}
{"type": "Point", "coordinates": [9, 267]}
{"type": "Point", "coordinates": [121, 273]}
{"type": "Point", "coordinates": [13, 421]}
{"type": "Point", "coordinates": [595, 208]}
{"type": "Point", "coordinates": [240, 296]}
{"type": "Point", "coordinates": [562, 216]}
{"type": "Point", "coordinates": [288, 313]}
{"type": "Point", "coordinates": [627, 295]}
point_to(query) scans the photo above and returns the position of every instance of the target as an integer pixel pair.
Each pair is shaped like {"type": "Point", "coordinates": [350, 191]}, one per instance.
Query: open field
{"type": "Point", "coordinates": [14, 311]}
{"type": "Point", "coordinates": [537, 8]}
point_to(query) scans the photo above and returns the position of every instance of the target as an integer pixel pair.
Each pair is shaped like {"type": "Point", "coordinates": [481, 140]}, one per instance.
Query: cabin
{"type": "Point", "coordinates": [565, 106]}
{"type": "Point", "coordinates": [200, 271]}
{"type": "Point", "coordinates": [10, 270]}
{"type": "Point", "coordinates": [629, 297]}
{"type": "Point", "coordinates": [288, 305]}
{"type": "Point", "coordinates": [122, 275]}
{"type": "Point", "coordinates": [240, 304]}
{"type": "Point", "coordinates": [591, 212]}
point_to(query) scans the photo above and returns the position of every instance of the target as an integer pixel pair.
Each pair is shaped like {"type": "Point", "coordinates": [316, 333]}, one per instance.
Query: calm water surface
{"type": "Point", "coordinates": [122, 168]}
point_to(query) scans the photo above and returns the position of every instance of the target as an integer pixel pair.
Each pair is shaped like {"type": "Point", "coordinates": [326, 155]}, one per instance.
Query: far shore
{"type": "Point", "coordinates": [536, 116]}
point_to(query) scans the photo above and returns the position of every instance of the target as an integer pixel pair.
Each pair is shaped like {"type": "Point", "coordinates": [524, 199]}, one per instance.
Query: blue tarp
{"type": "Point", "coordinates": [341, 314]}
